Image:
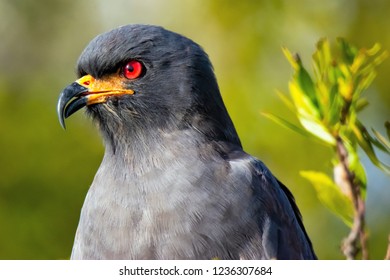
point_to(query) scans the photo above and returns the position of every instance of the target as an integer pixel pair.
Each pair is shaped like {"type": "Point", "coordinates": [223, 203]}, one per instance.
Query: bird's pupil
{"type": "Point", "coordinates": [130, 68]}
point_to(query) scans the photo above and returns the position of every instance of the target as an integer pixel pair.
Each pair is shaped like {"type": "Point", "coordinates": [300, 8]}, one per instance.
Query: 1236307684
{"type": "Point", "coordinates": [242, 270]}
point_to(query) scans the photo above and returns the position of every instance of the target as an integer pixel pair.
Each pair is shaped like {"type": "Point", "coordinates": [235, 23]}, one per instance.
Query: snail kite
{"type": "Point", "coordinates": [174, 182]}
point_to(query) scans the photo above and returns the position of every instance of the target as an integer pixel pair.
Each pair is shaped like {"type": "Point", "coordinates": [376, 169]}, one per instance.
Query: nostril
{"type": "Point", "coordinates": [86, 81]}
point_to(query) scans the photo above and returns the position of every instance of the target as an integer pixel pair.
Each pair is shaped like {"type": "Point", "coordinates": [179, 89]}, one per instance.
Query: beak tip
{"type": "Point", "coordinates": [62, 123]}
{"type": "Point", "coordinates": [69, 102]}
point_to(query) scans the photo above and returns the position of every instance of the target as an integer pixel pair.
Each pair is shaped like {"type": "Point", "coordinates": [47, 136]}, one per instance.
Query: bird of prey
{"type": "Point", "coordinates": [174, 182]}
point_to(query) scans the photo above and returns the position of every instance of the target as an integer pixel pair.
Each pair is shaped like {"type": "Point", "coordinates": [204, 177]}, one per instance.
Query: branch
{"type": "Point", "coordinates": [387, 257]}
{"type": "Point", "coordinates": [350, 246]}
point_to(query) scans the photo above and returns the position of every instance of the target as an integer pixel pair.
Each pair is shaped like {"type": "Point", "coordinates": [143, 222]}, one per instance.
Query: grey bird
{"type": "Point", "coordinates": [174, 182]}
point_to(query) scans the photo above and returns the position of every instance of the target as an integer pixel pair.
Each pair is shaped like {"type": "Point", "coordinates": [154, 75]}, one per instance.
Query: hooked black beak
{"type": "Point", "coordinates": [88, 91]}
{"type": "Point", "coordinates": [70, 101]}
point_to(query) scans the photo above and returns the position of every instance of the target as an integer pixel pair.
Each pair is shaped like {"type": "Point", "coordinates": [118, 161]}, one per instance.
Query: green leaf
{"type": "Point", "coordinates": [286, 124]}
{"type": "Point", "coordinates": [361, 103]}
{"type": "Point", "coordinates": [302, 87]}
{"type": "Point", "coordinates": [317, 129]}
{"type": "Point", "coordinates": [374, 49]}
{"type": "Point", "coordinates": [336, 105]}
{"type": "Point", "coordinates": [364, 82]}
{"type": "Point", "coordinates": [306, 84]}
{"type": "Point", "coordinates": [359, 61]}
{"type": "Point", "coordinates": [348, 51]}
{"type": "Point", "coordinates": [355, 165]}
{"type": "Point", "coordinates": [381, 142]}
{"type": "Point", "coordinates": [364, 142]}
{"type": "Point", "coordinates": [360, 175]}
{"type": "Point", "coordinates": [286, 101]}
{"type": "Point", "coordinates": [387, 126]}
{"type": "Point", "coordinates": [322, 57]}
{"type": "Point", "coordinates": [330, 195]}
{"type": "Point", "coordinates": [293, 127]}
{"type": "Point", "coordinates": [302, 102]}
{"type": "Point", "coordinates": [380, 58]}
{"type": "Point", "coordinates": [346, 88]}
{"type": "Point", "coordinates": [293, 59]}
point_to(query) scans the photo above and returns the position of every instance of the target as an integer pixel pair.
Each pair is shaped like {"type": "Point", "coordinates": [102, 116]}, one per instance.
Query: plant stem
{"type": "Point", "coordinates": [350, 246]}
{"type": "Point", "coordinates": [387, 257]}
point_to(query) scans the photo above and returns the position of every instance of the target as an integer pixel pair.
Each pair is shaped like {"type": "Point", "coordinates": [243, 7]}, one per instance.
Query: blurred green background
{"type": "Point", "coordinates": [45, 171]}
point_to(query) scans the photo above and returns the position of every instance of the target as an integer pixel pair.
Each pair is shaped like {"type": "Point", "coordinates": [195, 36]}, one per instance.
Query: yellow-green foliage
{"type": "Point", "coordinates": [327, 105]}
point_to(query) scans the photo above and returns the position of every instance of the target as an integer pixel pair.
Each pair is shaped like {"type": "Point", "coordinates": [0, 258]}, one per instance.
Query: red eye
{"type": "Point", "coordinates": [133, 69]}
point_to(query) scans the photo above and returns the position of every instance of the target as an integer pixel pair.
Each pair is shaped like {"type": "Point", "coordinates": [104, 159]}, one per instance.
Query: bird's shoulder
{"type": "Point", "coordinates": [273, 206]}
{"type": "Point", "coordinates": [250, 172]}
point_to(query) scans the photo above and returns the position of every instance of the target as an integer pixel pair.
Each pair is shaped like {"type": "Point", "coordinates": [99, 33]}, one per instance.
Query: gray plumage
{"type": "Point", "coordinates": [174, 182]}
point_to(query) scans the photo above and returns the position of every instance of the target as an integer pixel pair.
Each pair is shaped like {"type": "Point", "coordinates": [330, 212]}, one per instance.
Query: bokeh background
{"type": "Point", "coordinates": [45, 171]}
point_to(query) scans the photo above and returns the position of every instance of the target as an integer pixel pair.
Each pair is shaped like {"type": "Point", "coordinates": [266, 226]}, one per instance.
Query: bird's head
{"type": "Point", "coordinates": [140, 78]}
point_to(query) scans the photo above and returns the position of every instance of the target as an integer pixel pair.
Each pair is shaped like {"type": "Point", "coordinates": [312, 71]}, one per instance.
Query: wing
{"type": "Point", "coordinates": [281, 233]}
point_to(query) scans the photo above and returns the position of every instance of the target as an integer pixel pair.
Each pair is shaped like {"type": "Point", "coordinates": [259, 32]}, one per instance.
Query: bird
{"type": "Point", "coordinates": [174, 182]}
